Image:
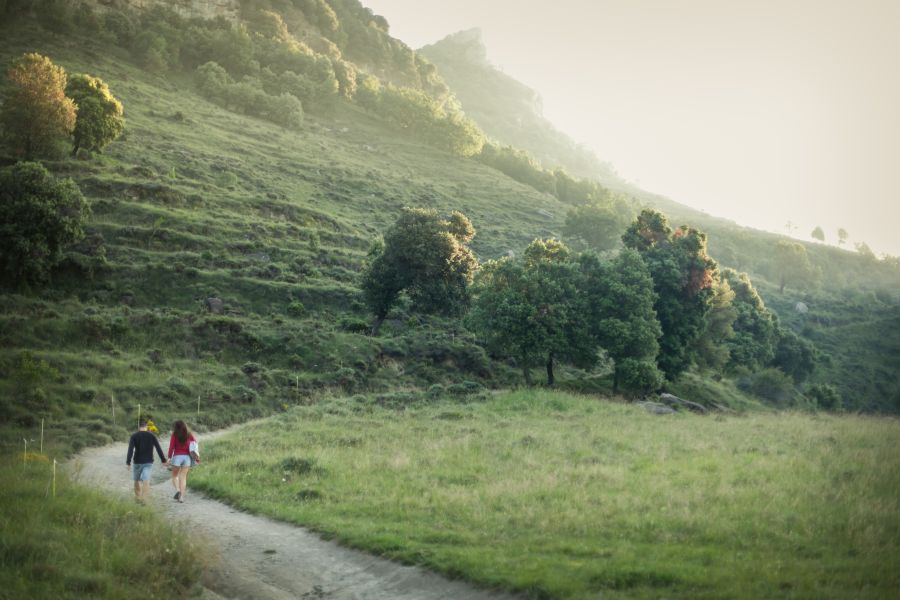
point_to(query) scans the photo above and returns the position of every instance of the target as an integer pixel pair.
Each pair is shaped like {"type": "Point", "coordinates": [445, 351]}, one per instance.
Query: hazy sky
{"type": "Point", "coordinates": [761, 111]}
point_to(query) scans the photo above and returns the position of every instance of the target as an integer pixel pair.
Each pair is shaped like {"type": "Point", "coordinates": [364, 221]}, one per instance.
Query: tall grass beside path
{"type": "Point", "coordinates": [84, 544]}
{"type": "Point", "coordinates": [562, 496]}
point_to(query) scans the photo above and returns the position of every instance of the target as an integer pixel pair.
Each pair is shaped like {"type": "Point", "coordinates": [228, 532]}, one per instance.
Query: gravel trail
{"type": "Point", "coordinates": [258, 558]}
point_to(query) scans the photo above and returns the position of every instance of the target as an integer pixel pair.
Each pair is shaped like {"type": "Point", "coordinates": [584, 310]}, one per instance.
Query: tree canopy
{"type": "Point", "coordinates": [683, 278]}
{"type": "Point", "coordinates": [39, 216]}
{"type": "Point", "coordinates": [425, 255]}
{"type": "Point", "coordinates": [36, 116]}
{"type": "Point", "coordinates": [100, 117]}
{"type": "Point", "coordinates": [792, 264]}
{"type": "Point", "coordinates": [531, 310]}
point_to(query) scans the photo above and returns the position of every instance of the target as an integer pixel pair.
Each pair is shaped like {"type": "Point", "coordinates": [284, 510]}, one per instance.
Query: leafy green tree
{"type": "Point", "coordinates": [863, 250]}
{"type": "Point", "coordinates": [428, 257]}
{"type": "Point", "coordinates": [794, 355]}
{"type": "Point", "coordinates": [792, 264]}
{"type": "Point", "coordinates": [842, 235]}
{"type": "Point", "coordinates": [755, 328]}
{"type": "Point", "coordinates": [818, 234]}
{"type": "Point", "coordinates": [36, 116]}
{"type": "Point", "coordinates": [531, 309]}
{"type": "Point", "coordinates": [100, 117]}
{"type": "Point", "coordinates": [368, 91]}
{"type": "Point", "coordinates": [683, 278]}
{"type": "Point", "coordinates": [39, 216]}
{"type": "Point", "coordinates": [711, 349]}
{"type": "Point", "coordinates": [601, 223]}
{"type": "Point", "coordinates": [619, 313]}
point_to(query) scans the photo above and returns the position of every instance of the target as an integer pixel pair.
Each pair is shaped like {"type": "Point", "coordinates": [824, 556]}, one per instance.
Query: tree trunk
{"type": "Point", "coordinates": [377, 324]}
{"type": "Point", "coordinates": [526, 372]}
{"type": "Point", "coordinates": [550, 379]}
{"type": "Point", "coordinates": [781, 289]}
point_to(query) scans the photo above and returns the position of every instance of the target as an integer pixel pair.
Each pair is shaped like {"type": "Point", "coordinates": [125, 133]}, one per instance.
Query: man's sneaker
{"type": "Point", "coordinates": [178, 495]}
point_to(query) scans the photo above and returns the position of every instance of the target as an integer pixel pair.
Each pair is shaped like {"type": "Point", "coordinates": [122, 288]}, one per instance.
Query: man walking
{"type": "Point", "coordinates": [140, 447]}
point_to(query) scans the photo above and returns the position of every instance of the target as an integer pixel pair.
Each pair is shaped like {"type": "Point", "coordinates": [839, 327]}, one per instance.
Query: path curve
{"type": "Point", "coordinates": [259, 558]}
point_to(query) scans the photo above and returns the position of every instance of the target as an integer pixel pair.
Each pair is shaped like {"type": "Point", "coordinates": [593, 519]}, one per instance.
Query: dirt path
{"type": "Point", "coordinates": [263, 559]}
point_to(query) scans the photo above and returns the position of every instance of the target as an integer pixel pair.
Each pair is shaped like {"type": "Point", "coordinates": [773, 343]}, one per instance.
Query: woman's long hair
{"type": "Point", "coordinates": [181, 431]}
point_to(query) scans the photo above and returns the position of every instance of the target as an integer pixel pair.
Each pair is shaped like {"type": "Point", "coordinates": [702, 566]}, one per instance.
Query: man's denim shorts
{"type": "Point", "coordinates": [141, 472]}
{"type": "Point", "coordinates": [181, 460]}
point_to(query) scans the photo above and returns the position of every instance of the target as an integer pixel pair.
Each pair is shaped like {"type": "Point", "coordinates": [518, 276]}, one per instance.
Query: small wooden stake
{"type": "Point", "coordinates": [25, 454]}
{"type": "Point", "coordinates": [139, 415]}
{"type": "Point", "coordinates": [198, 405]}
{"type": "Point", "coordinates": [42, 436]}
{"type": "Point", "coordinates": [54, 478]}
{"type": "Point", "coordinates": [112, 404]}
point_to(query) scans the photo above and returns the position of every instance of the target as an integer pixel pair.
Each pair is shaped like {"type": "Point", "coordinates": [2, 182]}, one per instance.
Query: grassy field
{"type": "Point", "coordinates": [83, 544]}
{"type": "Point", "coordinates": [565, 496]}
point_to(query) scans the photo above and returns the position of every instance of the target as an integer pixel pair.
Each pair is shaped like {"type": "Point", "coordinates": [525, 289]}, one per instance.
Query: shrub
{"type": "Point", "coordinates": [639, 376]}
{"type": "Point", "coordinates": [39, 217]}
{"type": "Point", "coordinates": [825, 396]}
{"type": "Point", "coordinates": [353, 325]}
{"type": "Point", "coordinates": [770, 384]}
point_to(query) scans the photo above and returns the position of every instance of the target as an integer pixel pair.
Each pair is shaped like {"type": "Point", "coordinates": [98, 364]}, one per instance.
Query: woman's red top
{"type": "Point", "coordinates": [176, 447]}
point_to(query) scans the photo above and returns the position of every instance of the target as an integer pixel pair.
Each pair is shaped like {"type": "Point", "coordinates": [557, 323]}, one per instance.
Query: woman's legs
{"type": "Point", "coordinates": [182, 481]}
{"type": "Point", "coordinates": [175, 471]}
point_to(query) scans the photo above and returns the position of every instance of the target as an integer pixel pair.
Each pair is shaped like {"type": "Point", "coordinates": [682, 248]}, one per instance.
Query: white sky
{"type": "Point", "coordinates": [761, 111]}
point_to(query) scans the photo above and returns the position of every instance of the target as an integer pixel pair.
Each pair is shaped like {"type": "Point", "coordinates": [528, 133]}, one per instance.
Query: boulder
{"type": "Point", "coordinates": [215, 306]}
{"type": "Point", "coordinates": [656, 408]}
{"type": "Point", "coordinates": [675, 401]}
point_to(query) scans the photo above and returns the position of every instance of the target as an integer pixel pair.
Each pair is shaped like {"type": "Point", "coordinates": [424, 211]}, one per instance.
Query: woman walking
{"type": "Point", "coordinates": [180, 457]}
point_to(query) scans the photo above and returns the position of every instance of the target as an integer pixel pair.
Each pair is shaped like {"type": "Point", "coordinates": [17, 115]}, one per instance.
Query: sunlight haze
{"type": "Point", "coordinates": [763, 113]}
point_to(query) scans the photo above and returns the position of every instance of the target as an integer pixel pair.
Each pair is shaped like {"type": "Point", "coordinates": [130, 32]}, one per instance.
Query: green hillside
{"type": "Point", "coordinates": [196, 202]}
{"type": "Point", "coordinates": [219, 280]}
{"type": "Point", "coordinates": [850, 296]}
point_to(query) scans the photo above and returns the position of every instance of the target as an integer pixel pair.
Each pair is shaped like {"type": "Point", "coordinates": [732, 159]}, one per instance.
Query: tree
{"type": "Point", "coordinates": [619, 300]}
{"type": "Point", "coordinates": [792, 264]}
{"type": "Point", "coordinates": [842, 235]}
{"type": "Point", "coordinates": [755, 328]}
{"type": "Point", "coordinates": [100, 117]}
{"type": "Point", "coordinates": [794, 355]}
{"type": "Point", "coordinates": [39, 216]}
{"type": "Point", "coordinates": [601, 223]}
{"type": "Point", "coordinates": [36, 115]}
{"type": "Point", "coordinates": [863, 250]}
{"type": "Point", "coordinates": [818, 234]}
{"type": "Point", "coordinates": [428, 257]}
{"type": "Point", "coordinates": [711, 350]}
{"type": "Point", "coordinates": [683, 278]}
{"type": "Point", "coordinates": [531, 309]}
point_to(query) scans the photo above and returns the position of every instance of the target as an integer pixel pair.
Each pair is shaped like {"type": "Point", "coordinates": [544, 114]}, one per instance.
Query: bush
{"type": "Point", "coordinates": [39, 217]}
{"type": "Point", "coordinates": [826, 397]}
{"type": "Point", "coordinates": [639, 376]}
{"type": "Point", "coordinates": [772, 385]}
{"type": "Point", "coordinates": [353, 325]}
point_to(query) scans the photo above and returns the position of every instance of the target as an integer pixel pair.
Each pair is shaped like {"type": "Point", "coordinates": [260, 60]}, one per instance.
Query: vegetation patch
{"type": "Point", "coordinates": [565, 496]}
